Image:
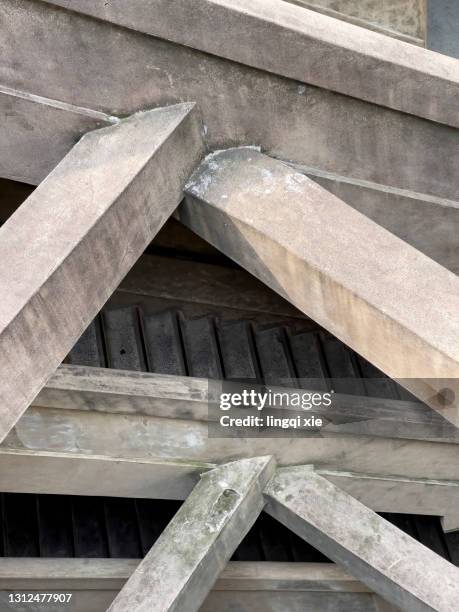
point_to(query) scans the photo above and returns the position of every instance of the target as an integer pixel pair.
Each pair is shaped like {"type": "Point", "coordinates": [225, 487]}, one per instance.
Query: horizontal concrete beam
{"type": "Point", "coordinates": [391, 563]}
{"type": "Point", "coordinates": [401, 495]}
{"type": "Point", "coordinates": [66, 473]}
{"type": "Point", "coordinates": [83, 452]}
{"type": "Point", "coordinates": [299, 44]}
{"type": "Point", "coordinates": [84, 228]}
{"type": "Point", "coordinates": [104, 434]}
{"type": "Point", "coordinates": [343, 270]}
{"type": "Point", "coordinates": [95, 574]}
{"type": "Point", "coordinates": [187, 397]}
{"type": "Point", "coordinates": [184, 563]}
{"type": "Point", "coordinates": [36, 133]}
{"type": "Point", "coordinates": [94, 584]}
{"type": "Point", "coordinates": [239, 104]}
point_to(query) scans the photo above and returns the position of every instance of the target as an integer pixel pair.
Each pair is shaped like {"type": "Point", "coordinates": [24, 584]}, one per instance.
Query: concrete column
{"type": "Point", "coordinates": [379, 295]}
{"type": "Point", "coordinates": [391, 563]}
{"type": "Point", "coordinates": [181, 568]}
{"type": "Point", "coordinates": [71, 242]}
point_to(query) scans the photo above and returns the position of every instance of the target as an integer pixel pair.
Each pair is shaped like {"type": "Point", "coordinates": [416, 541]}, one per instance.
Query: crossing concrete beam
{"type": "Point", "coordinates": [71, 242]}
{"type": "Point", "coordinates": [391, 563]}
{"type": "Point", "coordinates": [389, 302]}
{"type": "Point", "coordinates": [183, 565]}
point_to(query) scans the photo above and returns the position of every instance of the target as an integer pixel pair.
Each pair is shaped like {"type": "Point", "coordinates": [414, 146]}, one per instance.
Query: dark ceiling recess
{"type": "Point", "coordinates": [98, 527]}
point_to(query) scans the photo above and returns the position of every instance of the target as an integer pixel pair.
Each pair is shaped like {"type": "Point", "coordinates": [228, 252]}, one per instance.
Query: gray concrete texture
{"type": "Point", "coordinates": [185, 397]}
{"type": "Point", "coordinates": [388, 561]}
{"type": "Point", "coordinates": [303, 45]}
{"type": "Point", "coordinates": [36, 134]}
{"type": "Point", "coordinates": [430, 224]}
{"type": "Point", "coordinates": [254, 586]}
{"type": "Point", "coordinates": [184, 563]}
{"type": "Point", "coordinates": [240, 105]}
{"type": "Point", "coordinates": [347, 273]}
{"type": "Point", "coordinates": [72, 241]}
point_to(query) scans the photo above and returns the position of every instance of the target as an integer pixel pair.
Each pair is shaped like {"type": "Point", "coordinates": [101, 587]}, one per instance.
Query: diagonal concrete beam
{"type": "Point", "coordinates": [185, 562]}
{"type": "Point", "coordinates": [69, 245]}
{"type": "Point", "coordinates": [389, 302]}
{"type": "Point", "coordinates": [391, 563]}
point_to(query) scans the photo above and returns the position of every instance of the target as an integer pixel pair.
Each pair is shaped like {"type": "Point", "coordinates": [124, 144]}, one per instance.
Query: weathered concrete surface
{"type": "Point", "coordinates": [394, 494]}
{"type": "Point", "coordinates": [83, 228]}
{"type": "Point", "coordinates": [63, 473]}
{"type": "Point", "coordinates": [303, 45]}
{"type": "Point", "coordinates": [428, 223]}
{"type": "Point", "coordinates": [391, 563]}
{"type": "Point", "coordinates": [239, 105]}
{"type": "Point", "coordinates": [347, 273]}
{"type": "Point", "coordinates": [185, 562]}
{"type": "Point", "coordinates": [95, 574]}
{"type": "Point", "coordinates": [187, 397]}
{"type": "Point", "coordinates": [442, 27]}
{"type": "Point", "coordinates": [95, 433]}
{"type": "Point", "coordinates": [36, 133]}
{"type": "Point", "coordinates": [135, 455]}
{"type": "Point", "coordinates": [255, 586]}
{"type": "Point", "coordinates": [403, 19]}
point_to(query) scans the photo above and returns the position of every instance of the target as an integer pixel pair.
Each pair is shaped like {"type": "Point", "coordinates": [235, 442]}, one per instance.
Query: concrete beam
{"type": "Point", "coordinates": [37, 132]}
{"type": "Point", "coordinates": [343, 270]}
{"type": "Point", "coordinates": [255, 586]}
{"type": "Point", "coordinates": [90, 432]}
{"type": "Point", "coordinates": [187, 397]}
{"type": "Point", "coordinates": [185, 562]}
{"type": "Point", "coordinates": [239, 104]}
{"type": "Point", "coordinates": [64, 473]}
{"type": "Point", "coordinates": [391, 563]}
{"type": "Point", "coordinates": [103, 574]}
{"type": "Point", "coordinates": [401, 495]}
{"type": "Point", "coordinates": [132, 454]}
{"type": "Point", "coordinates": [84, 228]}
{"type": "Point", "coordinates": [299, 44]}
{"type": "Point", "coordinates": [426, 222]}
